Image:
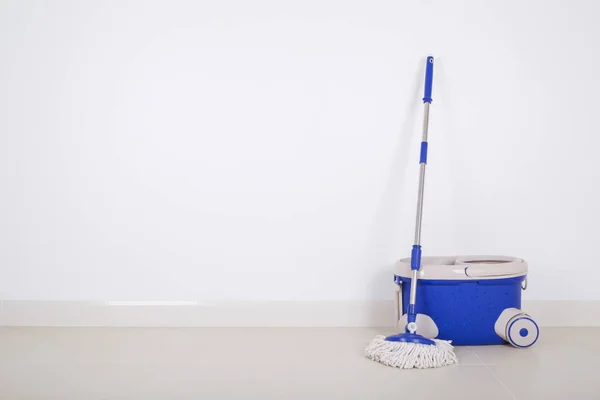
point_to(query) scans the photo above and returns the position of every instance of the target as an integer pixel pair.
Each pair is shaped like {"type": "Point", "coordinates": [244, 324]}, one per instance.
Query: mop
{"type": "Point", "coordinates": [409, 349]}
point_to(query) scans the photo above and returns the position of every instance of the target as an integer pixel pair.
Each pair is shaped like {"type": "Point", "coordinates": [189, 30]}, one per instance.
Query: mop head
{"type": "Point", "coordinates": [408, 355]}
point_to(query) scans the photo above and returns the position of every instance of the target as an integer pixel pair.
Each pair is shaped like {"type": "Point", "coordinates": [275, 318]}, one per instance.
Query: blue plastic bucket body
{"type": "Point", "coordinates": [465, 311]}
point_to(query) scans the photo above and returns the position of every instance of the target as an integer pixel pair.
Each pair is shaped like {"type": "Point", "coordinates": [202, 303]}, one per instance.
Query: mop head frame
{"type": "Point", "coordinates": [408, 355]}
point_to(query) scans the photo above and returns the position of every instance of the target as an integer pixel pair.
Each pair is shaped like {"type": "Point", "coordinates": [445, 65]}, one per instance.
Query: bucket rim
{"type": "Point", "coordinates": [467, 267]}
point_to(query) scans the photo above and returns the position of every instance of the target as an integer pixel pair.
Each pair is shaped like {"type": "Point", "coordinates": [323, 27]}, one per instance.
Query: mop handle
{"type": "Point", "coordinates": [415, 259]}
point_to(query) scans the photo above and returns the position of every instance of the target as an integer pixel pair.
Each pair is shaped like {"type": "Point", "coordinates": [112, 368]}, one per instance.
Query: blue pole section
{"type": "Point", "coordinates": [428, 80]}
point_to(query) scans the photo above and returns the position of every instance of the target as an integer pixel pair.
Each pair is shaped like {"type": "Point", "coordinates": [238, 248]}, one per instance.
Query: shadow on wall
{"type": "Point", "coordinates": [382, 244]}
{"type": "Point", "coordinates": [453, 156]}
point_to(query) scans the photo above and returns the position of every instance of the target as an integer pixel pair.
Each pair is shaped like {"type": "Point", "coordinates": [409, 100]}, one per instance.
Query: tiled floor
{"type": "Point", "coordinates": [281, 363]}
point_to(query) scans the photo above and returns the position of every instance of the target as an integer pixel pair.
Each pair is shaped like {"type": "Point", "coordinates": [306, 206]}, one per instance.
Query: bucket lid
{"type": "Point", "coordinates": [464, 267]}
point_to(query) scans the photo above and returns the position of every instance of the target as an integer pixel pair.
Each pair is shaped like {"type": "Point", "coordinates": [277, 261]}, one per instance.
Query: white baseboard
{"type": "Point", "coordinates": [254, 314]}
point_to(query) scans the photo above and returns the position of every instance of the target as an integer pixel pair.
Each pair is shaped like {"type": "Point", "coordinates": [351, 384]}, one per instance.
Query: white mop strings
{"type": "Point", "coordinates": [411, 355]}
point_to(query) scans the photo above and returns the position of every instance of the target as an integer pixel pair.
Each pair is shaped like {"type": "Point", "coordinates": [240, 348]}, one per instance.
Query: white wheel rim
{"type": "Point", "coordinates": [522, 332]}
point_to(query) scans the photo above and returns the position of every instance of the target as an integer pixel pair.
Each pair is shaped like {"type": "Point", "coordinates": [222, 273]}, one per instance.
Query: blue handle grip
{"type": "Point", "coordinates": [415, 257]}
{"type": "Point", "coordinates": [423, 159]}
{"type": "Point", "coordinates": [428, 80]}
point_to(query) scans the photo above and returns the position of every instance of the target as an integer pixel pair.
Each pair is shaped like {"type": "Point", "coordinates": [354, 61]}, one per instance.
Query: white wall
{"type": "Point", "coordinates": [268, 150]}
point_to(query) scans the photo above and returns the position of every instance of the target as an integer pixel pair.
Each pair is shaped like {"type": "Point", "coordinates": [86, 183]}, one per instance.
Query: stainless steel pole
{"type": "Point", "coordinates": [415, 263]}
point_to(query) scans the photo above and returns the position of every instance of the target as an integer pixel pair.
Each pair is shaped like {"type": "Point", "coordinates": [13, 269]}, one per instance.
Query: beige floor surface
{"type": "Point", "coordinates": [281, 363]}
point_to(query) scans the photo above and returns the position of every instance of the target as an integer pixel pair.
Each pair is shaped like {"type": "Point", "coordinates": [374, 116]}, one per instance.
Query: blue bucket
{"type": "Point", "coordinates": [465, 296]}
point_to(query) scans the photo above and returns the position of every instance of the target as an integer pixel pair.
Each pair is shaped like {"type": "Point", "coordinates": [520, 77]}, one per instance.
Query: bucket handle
{"type": "Point", "coordinates": [524, 284]}
{"type": "Point", "coordinates": [398, 301]}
